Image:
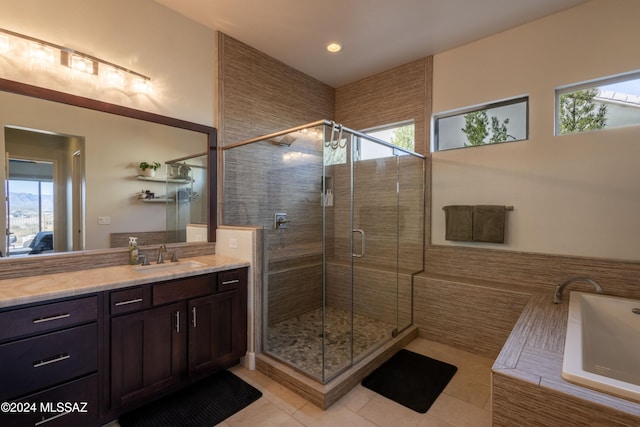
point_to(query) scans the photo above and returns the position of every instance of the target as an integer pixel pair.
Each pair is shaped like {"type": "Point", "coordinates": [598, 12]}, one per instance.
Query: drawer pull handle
{"type": "Point", "coordinates": [44, 421]}
{"type": "Point", "coordinates": [231, 282]}
{"type": "Point", "coordinates": [55, 359]}
{"type": "Point", "coordinates": [193, 311]}
{"type": "Point", "coordinates": [178, 321]}
{"type": "Point", "coordinates": [49, 319]}
{"type": "Point", "coordinates": [131, 301]}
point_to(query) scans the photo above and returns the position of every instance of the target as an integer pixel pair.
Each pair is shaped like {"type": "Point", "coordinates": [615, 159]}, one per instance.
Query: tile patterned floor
{"type": "Point", "coordinates": [465, 402]}
{"type": "Point", "coordinates": [298, 341]}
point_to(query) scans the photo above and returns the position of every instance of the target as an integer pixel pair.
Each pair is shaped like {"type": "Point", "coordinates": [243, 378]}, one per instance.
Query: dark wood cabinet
{"type": "Point", "coordinates": [217, 333]}
{"type": "Point", "coordinates": [49, 363]}
{"type": "Point", "coordinates": [174, 332]}
{"type": "Point", "coordinates": [146, 352]}
{"type": "Point", "coordinates": [116, 350]}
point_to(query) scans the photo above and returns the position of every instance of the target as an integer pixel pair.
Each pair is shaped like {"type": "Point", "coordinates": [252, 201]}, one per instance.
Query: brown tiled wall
{"type": "Point", "coordinates": [543, 271]}
{"type": "Point", "coordinates": [259, 95]}
{"type": "Point", "coordinates": [396, 95]}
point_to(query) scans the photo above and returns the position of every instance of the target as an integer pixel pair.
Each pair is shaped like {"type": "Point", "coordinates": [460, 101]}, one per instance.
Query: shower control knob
{"type": "Point", "coordinates": [280, 221]}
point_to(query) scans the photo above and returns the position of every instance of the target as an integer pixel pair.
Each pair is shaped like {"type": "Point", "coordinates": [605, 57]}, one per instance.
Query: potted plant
{"type": "Point", "coordinates": [149, 169]}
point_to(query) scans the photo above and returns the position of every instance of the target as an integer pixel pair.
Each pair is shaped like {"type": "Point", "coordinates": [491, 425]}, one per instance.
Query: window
{"type": "Point", "coordinates": [30, 204]}
{"type": "Point", "coordinates": [497, 122]}
{"type": "Point", "coordinates": [606, 103]}
{"type": "Point", "coordinates": [401, 134]}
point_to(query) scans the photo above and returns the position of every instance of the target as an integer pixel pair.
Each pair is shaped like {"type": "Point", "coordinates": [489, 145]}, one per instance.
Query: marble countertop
{"type": "Point", "coordinates": [535, 348]}
{"type": "Point", "coordinates": [25, 290]}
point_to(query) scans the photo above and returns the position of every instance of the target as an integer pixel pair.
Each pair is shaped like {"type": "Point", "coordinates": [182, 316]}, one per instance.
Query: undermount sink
{"type": "Point", "coordinates": [168, 266]}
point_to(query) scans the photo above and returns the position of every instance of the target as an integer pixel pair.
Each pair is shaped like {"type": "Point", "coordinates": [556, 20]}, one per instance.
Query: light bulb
{"type": "Point", "coordinates": [114, 78]}
{"type": "Point", "coordinates": [334, 47]}
{"type": "Point", "coordinates": [5, 46]}
{"type": "Point", "coordinates": [142, 86]}
{"type": "Point", "coordinates": [81, 63]}
{"type": "Point", "coordinates": [41, 54]}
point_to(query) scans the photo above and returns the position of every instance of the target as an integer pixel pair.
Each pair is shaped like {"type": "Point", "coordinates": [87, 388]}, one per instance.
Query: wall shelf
{"type": "Point", "coordinates": [159, 200]}
{"type": "Point", "coordinates": [157, 179]}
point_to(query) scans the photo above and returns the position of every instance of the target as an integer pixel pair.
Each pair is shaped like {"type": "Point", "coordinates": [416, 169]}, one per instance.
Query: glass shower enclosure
{"type": "Point", "coordinates": [343, 221]}
{"type": "Point", "coordinates": [186, 187]}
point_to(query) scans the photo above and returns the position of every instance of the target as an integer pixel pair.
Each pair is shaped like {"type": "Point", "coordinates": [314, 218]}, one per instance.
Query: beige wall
{"type": "Point", "coordinates": [574, 194]}
{"type": "Point", "coordinates": [178, 54]}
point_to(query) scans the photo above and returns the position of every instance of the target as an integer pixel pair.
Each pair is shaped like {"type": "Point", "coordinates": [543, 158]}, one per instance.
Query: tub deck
{"type": "Point", "coordinates": [528, 388]}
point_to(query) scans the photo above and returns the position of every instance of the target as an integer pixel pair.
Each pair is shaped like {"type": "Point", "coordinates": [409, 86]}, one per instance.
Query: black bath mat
{"type": "Point", "coordinates": [204, 404]}
{"type": "Point", "coordinates": [411, 379]}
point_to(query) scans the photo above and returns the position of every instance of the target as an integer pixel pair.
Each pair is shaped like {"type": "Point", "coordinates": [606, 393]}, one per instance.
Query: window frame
{"type": "Point", "coordinates": [588, 84]}
{"type": "Point", "coordinates": [435, 125]}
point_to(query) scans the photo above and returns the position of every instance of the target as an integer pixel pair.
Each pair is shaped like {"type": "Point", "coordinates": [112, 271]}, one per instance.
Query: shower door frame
{"type": "Point", "coordinates": [354, 145]}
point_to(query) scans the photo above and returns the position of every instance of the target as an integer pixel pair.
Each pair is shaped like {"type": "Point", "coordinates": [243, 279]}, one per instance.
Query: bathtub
{"type": "Point", "coordinates": [602, 346]}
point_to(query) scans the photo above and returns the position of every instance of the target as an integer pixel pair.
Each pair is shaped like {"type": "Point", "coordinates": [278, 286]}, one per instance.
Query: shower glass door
{"type": "Point", "coordinates": [360, 247]}
{"type": "Point", "coordinates": [375, 245]}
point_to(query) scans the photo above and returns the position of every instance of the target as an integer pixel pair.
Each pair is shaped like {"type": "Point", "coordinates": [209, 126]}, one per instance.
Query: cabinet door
{"type": "Point", "coordinates": [213, 331]}
{"type": "Point", "coordinates": [147, 352]}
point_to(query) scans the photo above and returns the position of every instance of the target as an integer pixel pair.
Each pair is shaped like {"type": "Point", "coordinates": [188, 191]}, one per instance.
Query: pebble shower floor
{"type": "Point", "coordinates": [298, 340]}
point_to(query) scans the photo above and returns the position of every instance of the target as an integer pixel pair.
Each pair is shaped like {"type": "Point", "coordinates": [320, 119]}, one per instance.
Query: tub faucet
{"type": "Point", "coordinates": [161, 251]}
{"type": "Point", "coordinates": [557, 297]}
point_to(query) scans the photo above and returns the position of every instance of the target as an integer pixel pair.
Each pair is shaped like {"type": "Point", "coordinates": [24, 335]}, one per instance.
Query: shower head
{"type": "Point", "coordinates": [285, 141]}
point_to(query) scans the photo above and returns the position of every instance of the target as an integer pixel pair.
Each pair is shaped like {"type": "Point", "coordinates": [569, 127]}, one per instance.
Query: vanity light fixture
{"type": "Point", "coordinates": [334, 47]}
{"type": "Point", "coordinates": [45, 54]}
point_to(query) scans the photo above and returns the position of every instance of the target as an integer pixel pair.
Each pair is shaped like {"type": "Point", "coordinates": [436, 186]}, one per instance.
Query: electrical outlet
{"type": "Point", "coordinates": [233, 243]}
{"type": "Point", "coordinates": [104, 220]}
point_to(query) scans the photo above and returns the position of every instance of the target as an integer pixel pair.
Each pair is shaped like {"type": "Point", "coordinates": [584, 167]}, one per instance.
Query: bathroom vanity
{"type": "Point", "coordinates": [94, 344]}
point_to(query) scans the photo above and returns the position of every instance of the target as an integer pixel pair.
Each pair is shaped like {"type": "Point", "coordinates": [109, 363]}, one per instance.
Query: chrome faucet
{"type": "Point", "coordinates": [557, 297]}
{"type": "Point", "coordinates": [161, 251]}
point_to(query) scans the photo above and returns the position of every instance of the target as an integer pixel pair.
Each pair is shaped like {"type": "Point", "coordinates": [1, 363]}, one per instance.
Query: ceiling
{"type": "Point", "coordinates": [376, 35]}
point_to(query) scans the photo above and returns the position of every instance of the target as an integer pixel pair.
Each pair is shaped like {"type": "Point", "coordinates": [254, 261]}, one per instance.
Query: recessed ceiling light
{"type": "Point", "coordinates": [334, 47]}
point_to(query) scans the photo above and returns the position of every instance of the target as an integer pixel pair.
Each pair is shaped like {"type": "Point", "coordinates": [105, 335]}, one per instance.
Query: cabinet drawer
{"type": "Point", "coordinates": [47, 317]}
{"type": "Point", "coordinates": [126, 300]}
{"type": "Point", "coordinates": [35, 363]}
{"type": "Point", "coordinates": [168, 292]}
{"type": "Point", "coordinates": [228, 280]}
{"type": "Point", "coordinates": [80, 398]}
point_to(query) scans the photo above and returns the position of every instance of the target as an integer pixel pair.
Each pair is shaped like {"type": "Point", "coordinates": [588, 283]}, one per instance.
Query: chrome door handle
{"type": "Point", "coordinates": [49, 319]}
{"type": "Point", "coordinates": [131, 301]}
{"type": "Point", "coordinates": [55, 359]}
{"type": "Point", "coordinates": [55, 417]}
{"type": "Point", "coordinates": [362, 249]}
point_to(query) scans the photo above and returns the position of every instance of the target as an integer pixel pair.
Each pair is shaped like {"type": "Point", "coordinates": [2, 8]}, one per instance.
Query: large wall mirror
{"type": "Point", "coordinates": [72, 180]}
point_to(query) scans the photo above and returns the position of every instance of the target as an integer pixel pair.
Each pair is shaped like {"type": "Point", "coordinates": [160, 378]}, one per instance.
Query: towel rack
{"type": "Point", "coordinates": [509, 208]}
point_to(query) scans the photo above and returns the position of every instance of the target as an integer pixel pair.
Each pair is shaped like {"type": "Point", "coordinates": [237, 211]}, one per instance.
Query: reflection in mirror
{"type": "Point", "coordinates": [72, 180]}
{"type": "Point", "coordinates": [187, 217]}
{"type": "Point", "coordinates": [44, 187]}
